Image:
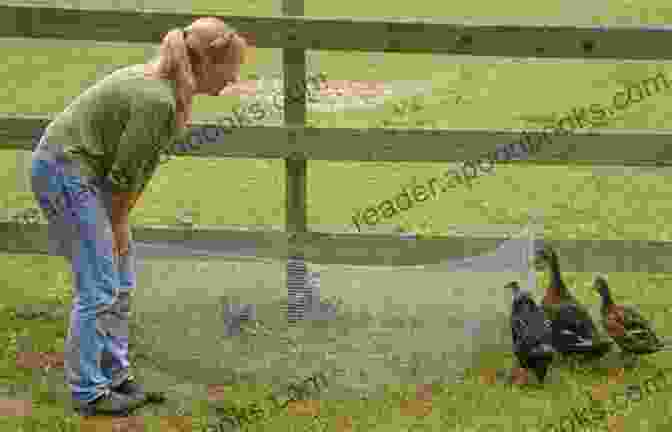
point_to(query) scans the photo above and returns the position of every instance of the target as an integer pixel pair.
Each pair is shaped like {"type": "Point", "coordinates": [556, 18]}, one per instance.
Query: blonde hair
{"type": "Point", "coordinates": [184, 61]}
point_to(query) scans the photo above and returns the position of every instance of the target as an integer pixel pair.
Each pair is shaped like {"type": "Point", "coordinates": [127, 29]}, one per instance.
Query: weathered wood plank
{"type": "Point", "coordinates": [296, 169]}
{"type": "Point", "coordinates": [294, 68]}
{"type": "Point", "coordinates": [351, 34]}
{"type": "Point", "coordinates": [21, 132]}
{"type": "Point", "coordinates": [358, 249]}
{"type": "Point", "coordinates": [607, 147]}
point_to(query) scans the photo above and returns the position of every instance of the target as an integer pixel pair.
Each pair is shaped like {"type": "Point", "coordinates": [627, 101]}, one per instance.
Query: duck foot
{"type": "Point", "coordinates": [666, 340]}
{"type": "Point", "coordinates": [519, 377]}
{"type": "Point", "coordinates": [630, 361]}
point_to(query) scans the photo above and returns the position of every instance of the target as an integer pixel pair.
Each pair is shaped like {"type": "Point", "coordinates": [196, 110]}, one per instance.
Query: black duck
{"type": "Point", "coordinates": [531, 333]}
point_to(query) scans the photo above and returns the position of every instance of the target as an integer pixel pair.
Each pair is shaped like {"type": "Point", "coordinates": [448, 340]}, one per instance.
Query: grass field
{"type": "Point", "coordinates": [577, 202]}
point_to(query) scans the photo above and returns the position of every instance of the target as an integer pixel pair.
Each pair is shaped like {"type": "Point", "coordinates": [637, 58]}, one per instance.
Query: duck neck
{"type": "Point", "coordinates": [607, 300]}
{"type": "Point", "coordinates": [557, 285]}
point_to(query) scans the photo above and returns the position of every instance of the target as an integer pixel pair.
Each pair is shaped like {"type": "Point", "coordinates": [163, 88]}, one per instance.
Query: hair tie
{"type": "Point", "coordinates": [226, 41]}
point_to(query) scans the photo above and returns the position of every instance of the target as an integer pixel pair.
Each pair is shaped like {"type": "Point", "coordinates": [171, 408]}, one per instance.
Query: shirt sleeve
{"type": "Point", "coordinates": [150, 128]}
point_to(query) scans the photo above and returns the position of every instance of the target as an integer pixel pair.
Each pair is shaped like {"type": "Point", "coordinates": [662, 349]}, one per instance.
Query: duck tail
{"type": "Point", "coordinates": [665, 340]}
{"type": "Point", "coordinates": [541, 370]}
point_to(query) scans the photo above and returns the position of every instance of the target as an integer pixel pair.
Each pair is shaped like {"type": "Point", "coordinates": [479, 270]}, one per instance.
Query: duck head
{"type": "Point", "coordinates": [545, 257]}
{"type": "Point", "coordinates": [514, 286]}
{"type": "Point", "coordinates": [522, 299]}
{"type": "Point", "coordinates": [602, 287]}
{"type": "Point", "coordinates": [519, 295]}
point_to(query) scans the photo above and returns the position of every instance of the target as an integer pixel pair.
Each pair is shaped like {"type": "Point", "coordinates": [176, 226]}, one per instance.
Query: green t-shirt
{"type": "Point", "coordinates": [118, 128]}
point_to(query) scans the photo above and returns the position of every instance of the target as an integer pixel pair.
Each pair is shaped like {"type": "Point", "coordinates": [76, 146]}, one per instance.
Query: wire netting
{"type": "Point", "coordinates": [205, 316]}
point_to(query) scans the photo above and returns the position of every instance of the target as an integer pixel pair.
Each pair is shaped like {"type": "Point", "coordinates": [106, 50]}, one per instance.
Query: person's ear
{"type": "Point", "coordinates": [222, 42]}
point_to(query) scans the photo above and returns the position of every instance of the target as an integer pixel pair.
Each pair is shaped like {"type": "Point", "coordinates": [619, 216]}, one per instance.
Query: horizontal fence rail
{"type": "Point", "coordinates": [608, 147]}
{"type": "Point", "coordinates": [351, 34]}
{"type": "Point", "coordinates": [295, 33]}
{"type": "Point", "coordinates": [607, 256]}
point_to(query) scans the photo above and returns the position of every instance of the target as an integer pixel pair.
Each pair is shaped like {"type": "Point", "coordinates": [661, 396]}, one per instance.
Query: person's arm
{"type": "Point", "coordinates": [150, 127]}
{"type": "Point", "coordinates": [122, 204]}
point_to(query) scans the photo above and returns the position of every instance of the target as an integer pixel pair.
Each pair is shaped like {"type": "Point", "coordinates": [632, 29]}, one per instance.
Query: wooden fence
{"type": "Point", "coordinates": [294, 34]}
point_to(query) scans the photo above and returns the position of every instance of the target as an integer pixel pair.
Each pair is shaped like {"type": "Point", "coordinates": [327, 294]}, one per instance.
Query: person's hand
{"type": "Point", "coordinates": [122, 203]}
{"type": "Point", "coordinates": [121, 239]}
{"type": "Point", "coordinates": [115, 249]}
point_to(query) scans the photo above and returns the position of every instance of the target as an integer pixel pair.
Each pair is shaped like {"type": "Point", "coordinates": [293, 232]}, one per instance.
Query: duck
{"type": "Point", "coordinates": [546, 258]}
{"type": "Point", "coordinates": [531, 333]}
{"type": "Point", "coordinates": [572, 327]}
{"type": "Point", "coordinates": [633, 333]}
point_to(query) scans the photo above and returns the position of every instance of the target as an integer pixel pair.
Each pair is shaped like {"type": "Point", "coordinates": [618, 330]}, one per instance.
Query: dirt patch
{"type": "Point", "coordinates": [39, 360]}
{"type": "Point", "coordinates": [327, 88]}
{"type": "Point", "coordinates": [16, 408]}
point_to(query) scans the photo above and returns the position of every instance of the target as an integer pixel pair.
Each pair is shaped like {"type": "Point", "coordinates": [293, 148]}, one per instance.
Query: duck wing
{"type": "Point", "coordinates": [577, 315]}
{"type": "Point", "coordinates": [573, 330]}
{"type": "Point", "coordinates": [637, 334]}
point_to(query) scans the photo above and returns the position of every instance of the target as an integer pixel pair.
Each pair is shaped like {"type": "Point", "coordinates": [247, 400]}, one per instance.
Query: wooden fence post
{"type": "Point", "coordinates": [23, 160]}
{"type": "Point", "coordinates": [294, 68]}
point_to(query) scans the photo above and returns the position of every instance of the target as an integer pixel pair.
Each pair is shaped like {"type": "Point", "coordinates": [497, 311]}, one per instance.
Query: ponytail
{"type": "Point", "coordinates": [213, 40]}
{"type": "Point", "coordinates": [174, 64]}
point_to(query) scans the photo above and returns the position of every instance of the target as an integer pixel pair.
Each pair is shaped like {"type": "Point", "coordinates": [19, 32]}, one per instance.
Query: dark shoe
{"type": "Point", "coordinates": [111, 403]}
{"type": "Point", "coordinates": [132, 390]}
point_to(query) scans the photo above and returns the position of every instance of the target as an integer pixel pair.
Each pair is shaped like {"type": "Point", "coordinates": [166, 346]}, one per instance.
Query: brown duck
{"type": "Point", "coordinates": [632, 332]}
{"type": "Point", "coordinates": [573, 329]}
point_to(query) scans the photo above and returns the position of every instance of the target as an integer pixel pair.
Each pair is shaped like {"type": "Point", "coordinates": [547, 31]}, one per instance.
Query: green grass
{"type": "Point", "coordinates": [575, 203]}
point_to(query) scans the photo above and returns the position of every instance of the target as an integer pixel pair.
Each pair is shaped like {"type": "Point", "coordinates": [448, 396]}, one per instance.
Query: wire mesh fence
{"type": "Point", "coordinates": [262, 321]}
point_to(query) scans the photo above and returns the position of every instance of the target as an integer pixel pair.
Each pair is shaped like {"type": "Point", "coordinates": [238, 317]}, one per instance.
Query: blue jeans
{"type": "Point", "coordinates": [96, 349]}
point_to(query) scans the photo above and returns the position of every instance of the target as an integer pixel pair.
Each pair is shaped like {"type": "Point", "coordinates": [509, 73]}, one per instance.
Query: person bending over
{"type": "Point", "coordinates": [88, 171]}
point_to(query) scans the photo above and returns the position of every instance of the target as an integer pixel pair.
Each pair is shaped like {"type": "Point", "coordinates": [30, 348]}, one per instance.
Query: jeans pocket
{"type": "Point", "coordinates": [81, 193]}
{"type": "Point", "coordinates": [43, 168]}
